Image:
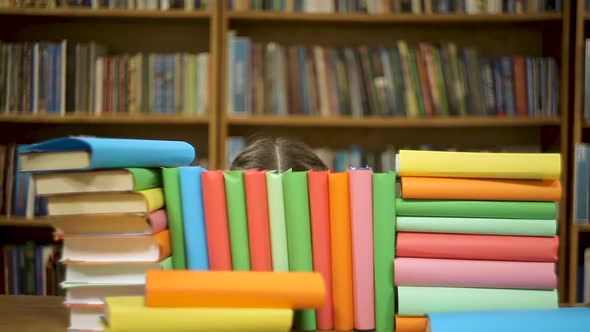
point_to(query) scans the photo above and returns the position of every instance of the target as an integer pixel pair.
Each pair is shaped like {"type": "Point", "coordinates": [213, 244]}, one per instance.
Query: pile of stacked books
{"type": "Point", "coordinates": [475, 231]}
{"type": "Point", "coordinates": [106, 201]}
{"type": "Point", "coordinates": [215, 301]}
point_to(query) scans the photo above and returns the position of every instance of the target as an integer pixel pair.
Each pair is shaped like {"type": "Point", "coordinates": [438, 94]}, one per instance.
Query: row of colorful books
{"type": "Point", "coordinates": [401, 6]}
{"type": "Point", "coordinates": [111, 4]}
{"type": "Point", "coordinates": [401, 80]}
{"type": "Point", "coordinates": [31, 269]}
{"type": "Point", "coordinates": [67, 77]}
{"type": "Point", "coordinates": [338, 224]}
{"type": "Point", "coordinates": [471, 240]}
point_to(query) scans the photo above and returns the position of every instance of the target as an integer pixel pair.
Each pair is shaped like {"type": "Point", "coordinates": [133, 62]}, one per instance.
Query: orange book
{"type": "Point", "coordinates": [258, 224]}
{"type": "Point", "coordinates": [410, 323]}
{"type": "Point", "coordinates": [341, 244]}
{"type": "Point", "coordinates": [216, 223]}
{"type": "Point", "coordinates": [319, 205]}
{"type": "Point", "coordinates": [236, 289]}
{"type": "Point", "coordinates": [480, 189]}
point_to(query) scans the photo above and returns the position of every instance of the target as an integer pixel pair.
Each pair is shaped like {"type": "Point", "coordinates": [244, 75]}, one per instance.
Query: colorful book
{"type": "Point", "coordinates": [538, 320]}
{"type": "Point", "coordinates": [175, 222]}
{"type": "Point", "coordinates": [319, 206]}
{"type": "Point", "coordinates": [525, 227]}
{"type": "Point", "coordinates": [480, 247]}
{"type": "Point", "coordinates": [474, 273]}
{"type": "Point", "coordinates": [341, 245]}
{"type": "Point", "coordinates": [410, 323]}
{"type": "Point", "coordinates": [85, 153]}
{"type": "Point", "coordinates": [479, 165]}
{"type": "Point", "coordinates": [216, 224]}
{"type": "Point", "coordinates": [480, 189]}
{"type": "Point", "coordinates": [361, 219]}
{"type": "Point", "coordinates": [417, 301]}
{"type": "Point", "coordinates": [238, 220]}
{"type": "Point", "coordinates": [384, 249]}
{"type": "Point", "coordinates": [126, 179]}
{"type": "Point", "coordinates": [129, 313]}
{"type": "Point", "coordinates": [258, 221]}
{"type": "Point", "coordinates": [475, 209]}
{"type": "Point", "coordinates": [276, 216]}
{"type": "Point", "coordinates": [234, 289]}
{"type": "Point", "coordinates": [117, 223]}
{"type": "Point", "coordinates": [296, 198]}
{"type": "Point", "coordinates": [195, 235]}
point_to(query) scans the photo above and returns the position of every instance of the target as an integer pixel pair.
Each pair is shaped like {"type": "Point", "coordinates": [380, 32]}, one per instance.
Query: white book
{"type": "Point", "coordinates": [84, 318]}
{"type": "Point", "coordinates": [93, 295]}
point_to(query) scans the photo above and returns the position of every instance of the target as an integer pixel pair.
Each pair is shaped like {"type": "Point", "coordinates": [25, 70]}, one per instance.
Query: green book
{"type": "Point", "coordinates": [297, 218]}
{"type": "Point", "coordinates": [489, 226]}
{"type": "Point", "coordinates": [235, 195]}
{"type": "Point", "coordinates": [418, 301]}
{"type": "Point", "coordinates": [174, 212]}
{"type": "Point", "coordinates": [145, 178]}
{"type": "Point", "coordinates": [384, 249]}
{"type": "Point", "coordinates": [416, 81]}
{"type": "Point", "coordinates": [476, 209]}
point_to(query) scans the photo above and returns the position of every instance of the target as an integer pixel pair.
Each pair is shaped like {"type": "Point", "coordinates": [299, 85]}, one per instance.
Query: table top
{"type": "Point", "coordinates": [33, 313]}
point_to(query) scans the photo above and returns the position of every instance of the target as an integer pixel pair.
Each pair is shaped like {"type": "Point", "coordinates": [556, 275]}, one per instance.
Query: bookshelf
{"type": "Point", "coordinates": [578, 234]}
{"type": "Point", "coordinates": [121, 31]}
{"type": "Point", "coordinates": [535, 34]}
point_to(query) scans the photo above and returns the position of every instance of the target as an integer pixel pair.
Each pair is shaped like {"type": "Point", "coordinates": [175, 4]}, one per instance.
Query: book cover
{"type": "Point", "coordinates": [278, 227]}
{"type": "Point", "coordinates": [237, 219]}
{"type": "Point", "coordinates": [173, 200]}
{"type": "Point", "coordinates": [195, 237]}
{"type": "Point", "coordinates": [216, 223]}
{"type": "Point", "coordinates": [258, 221]}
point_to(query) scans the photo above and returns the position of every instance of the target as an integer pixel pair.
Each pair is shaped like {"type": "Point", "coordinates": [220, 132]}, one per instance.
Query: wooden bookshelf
{"type": "Point", "coordinates": [23, 222]}
{"type": "Point", "coordinates": [579, 133]}
{"type": "Point", "coordinates": [121, 31]}
{"type": "Point", "coordinates": [543, 34]}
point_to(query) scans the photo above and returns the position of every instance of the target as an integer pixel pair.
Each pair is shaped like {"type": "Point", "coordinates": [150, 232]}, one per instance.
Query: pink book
{"type": "Point", "coordinates": [158, 221]}
{"type": "Point", "coordinates": [319, 206]}
{"type": "Point", "coordinates": [361, 218]}
{"type": "Point", "coordinates": [474, 273]}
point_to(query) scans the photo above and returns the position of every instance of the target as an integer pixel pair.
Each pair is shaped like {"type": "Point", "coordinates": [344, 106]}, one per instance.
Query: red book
{"type": "Point", "coordinates": [319, 206]}
{"type": "Point", "coordinates": [258, 222]}
{"type": "Point", "coordinates": [520, 85]}
{"type": "Point", "coordinates": [216, 222]}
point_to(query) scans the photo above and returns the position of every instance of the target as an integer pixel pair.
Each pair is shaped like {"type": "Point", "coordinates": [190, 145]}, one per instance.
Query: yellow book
{"type": "Point", "coordinates": [154, 198]}
{"type": "Point", "coordinates": [129, 314]}
{"type": "Point", "coordinates": [479, 164]}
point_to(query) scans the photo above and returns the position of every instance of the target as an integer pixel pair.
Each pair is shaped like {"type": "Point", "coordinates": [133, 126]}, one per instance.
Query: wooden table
{"type": "Point", "coordinates": [33, 314]}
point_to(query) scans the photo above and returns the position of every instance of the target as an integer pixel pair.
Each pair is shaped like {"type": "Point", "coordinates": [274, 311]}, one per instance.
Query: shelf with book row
{"type": "Point", "coordinates": [376, 7]}
{"type": "Point", "coordinates": [96, 6]}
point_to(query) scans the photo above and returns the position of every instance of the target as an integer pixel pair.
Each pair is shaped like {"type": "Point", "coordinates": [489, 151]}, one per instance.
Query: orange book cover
{"type": "Point", "coordinates": [216, 222]}
{"type": "Point", "coordinates": [341, 245]}
{"type": "Point", "coordinates": [319, 205]}
{"type": "Point", "coordinates": [410, 323]}
{"type": "Point", "coordinates": [258, 222]}
{"type": "Point", "coordinates": [163, 239]}
{"type": "Point", "coordinates": [480, 189]}
{"type": "Point", "coordinates": [237, 289]}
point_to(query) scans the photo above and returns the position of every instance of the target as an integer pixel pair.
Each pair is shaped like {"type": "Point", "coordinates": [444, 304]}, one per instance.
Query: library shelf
{"type": "Point", "coordinates": [104, 118]}
{"type": "Point", "coordinates": [585, 228]}
{"type": "Point", "coordinates": [391, 18]}
{"type": "Point", "coordinates": [23, 222]}
{"type": "Point", "coordinates": [107, 13]}
{"type": "Point", "coordinates": [384, 122]}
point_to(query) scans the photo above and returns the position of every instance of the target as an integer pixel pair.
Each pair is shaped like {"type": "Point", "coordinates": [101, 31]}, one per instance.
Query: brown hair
{"type": "Point", "coordinates": [279, 154]}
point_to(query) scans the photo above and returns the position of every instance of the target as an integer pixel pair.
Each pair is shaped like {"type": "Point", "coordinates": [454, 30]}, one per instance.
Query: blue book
{"type": "Point", "coordinates": [86, 153]}
{"type": "Point", "coordinates": [21, 187]}
{"type": "Point", "coordinates": [195, 235]}
{"type": "Point", "coordinates": [240, 74]}
{"type": "Point", "coordinates": [538, 320]}
{"type": "Point", "coordinates": [39, 267]}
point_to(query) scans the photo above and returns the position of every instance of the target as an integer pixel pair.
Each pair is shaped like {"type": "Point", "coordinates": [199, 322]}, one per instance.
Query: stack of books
{"type": "Point", "coordinates": [215, 301]}
{"type": "Point", "coordinates": [475, 231]}
{"type": "Point", "coordinates": [105, 199]}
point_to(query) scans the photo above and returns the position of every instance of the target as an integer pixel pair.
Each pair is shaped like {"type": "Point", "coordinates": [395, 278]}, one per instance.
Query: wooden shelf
{"type": "Point", "coordinates": [391, 18]}
{"type": "Point", "coordinates": [107, 13]}
{"type": "Point", "coordinates": [583, 228]}
{"type": "Point", "coordinates": [103, 118]}
{"type": "Point", "coordinates": [23, 222]}
{"type": "Point", "coordinates": [377, 122]}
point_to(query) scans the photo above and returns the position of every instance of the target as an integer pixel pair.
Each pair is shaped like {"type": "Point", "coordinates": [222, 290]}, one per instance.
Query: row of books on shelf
{"type": "Point", "coordinates": [400, 80]}
{"type": "Point", "coordinates": [68, 77]}
{"type": "Point", "coordinates": [110, 4]}
{"type": "Point", "coordinates": [380, 160]}
{"type": "Point", "coordinates": [31, 269]}
{"type": "Point", "coordinates": [401, 6]}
